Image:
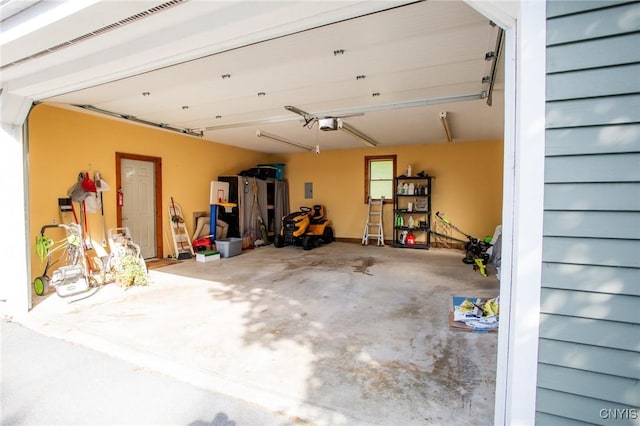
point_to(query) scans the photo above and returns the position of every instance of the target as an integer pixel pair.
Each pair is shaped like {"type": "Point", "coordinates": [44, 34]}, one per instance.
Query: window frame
{"type": "Point", "coordinates": [368, 159]}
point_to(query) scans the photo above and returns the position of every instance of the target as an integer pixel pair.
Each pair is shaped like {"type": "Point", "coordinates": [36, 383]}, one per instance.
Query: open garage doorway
{"type": "Point", "coordinates": [518, 182]}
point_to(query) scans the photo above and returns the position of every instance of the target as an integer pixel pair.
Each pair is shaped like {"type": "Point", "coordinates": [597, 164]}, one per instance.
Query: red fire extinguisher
{"type": "Point", "coordinates": [120, 197]}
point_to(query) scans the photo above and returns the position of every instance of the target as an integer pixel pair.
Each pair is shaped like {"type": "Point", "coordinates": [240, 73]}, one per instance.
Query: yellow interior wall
{"type": "Point", "coordinates": [62, 143]}
{"type": "Point", "coordinates": [467, 185]}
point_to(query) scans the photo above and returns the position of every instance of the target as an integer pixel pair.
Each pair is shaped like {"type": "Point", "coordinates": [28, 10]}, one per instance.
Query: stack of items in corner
{"type": "Point", "coordinates": [475, 314]}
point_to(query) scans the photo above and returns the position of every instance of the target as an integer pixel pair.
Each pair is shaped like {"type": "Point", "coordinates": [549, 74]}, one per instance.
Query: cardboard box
{"type": "Point", "coordinates": [207, 256]}
{"type": "Point", "coordinates": [229, 247]}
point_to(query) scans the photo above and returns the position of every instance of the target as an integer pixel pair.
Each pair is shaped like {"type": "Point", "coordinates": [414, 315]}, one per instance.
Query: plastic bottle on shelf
{"type": "Point", "coordinates": [409, 170]}
{"type": "Point", "coordinates": [405, 188]}
{"type": "Point", "coordinates": [412, 189]}
{"type": "Point", "coordinates": [399, 189]}
{"type": "Point", "coordinates": [398, 219]}
{"type": "Point", "coordinates": [411, 222]}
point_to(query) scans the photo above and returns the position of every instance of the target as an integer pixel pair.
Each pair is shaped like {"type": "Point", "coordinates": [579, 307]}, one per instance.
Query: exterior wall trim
{"type": "Point", "coordinates": [524, 23]}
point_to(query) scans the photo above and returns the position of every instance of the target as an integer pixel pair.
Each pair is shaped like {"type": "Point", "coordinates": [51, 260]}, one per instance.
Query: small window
{"type": "Point", "coordinates": [378, 177]}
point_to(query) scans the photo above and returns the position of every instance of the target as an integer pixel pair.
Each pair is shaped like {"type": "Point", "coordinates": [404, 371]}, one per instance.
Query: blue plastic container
{"type": "Point", "coordinates": [279, 169]}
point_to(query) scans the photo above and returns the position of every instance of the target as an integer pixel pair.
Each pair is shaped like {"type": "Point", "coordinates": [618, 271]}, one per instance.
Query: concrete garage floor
{"type": "Point", "coordinates": [342, 334]}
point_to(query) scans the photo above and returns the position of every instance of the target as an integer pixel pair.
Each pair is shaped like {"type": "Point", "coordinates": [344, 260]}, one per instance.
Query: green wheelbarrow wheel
{"type": "Point", "coordinates": [41, 285]}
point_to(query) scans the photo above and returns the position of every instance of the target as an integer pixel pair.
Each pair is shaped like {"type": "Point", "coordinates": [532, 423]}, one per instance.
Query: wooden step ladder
{"type": "Point", "coordinates": [183, 248]}
{"type": "Point", "coordinates": [373, 227]}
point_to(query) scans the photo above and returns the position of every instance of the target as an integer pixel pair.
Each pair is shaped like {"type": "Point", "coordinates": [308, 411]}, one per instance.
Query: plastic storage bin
{"type": "Point", "coordinates": [279, 169]}
{"type": "Point", "coordinates": [229, 247]}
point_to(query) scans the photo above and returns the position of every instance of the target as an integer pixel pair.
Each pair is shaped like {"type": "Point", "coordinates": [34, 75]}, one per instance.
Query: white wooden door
{"type": "Point", "coordinates": [138, 209]}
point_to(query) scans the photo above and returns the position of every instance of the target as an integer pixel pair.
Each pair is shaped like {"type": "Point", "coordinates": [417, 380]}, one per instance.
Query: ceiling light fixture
{"type": "Point", "coordinates": [356, 133]}
{"type": "Point", "coordinates": [361, 77]}
{"type": "Point", "coordinates": [225, 76]}
{"type": "Point", "coordinates": [263, 134]}
{"type": "Point", "coordinates": [261, 94]}
{"type": "Point", "coordinates": [445, 124]}
{"type": "Point", "coordinates": [338, 52]}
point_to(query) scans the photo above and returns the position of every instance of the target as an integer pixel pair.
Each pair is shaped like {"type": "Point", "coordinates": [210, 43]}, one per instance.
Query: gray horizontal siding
{"type": "Point", "coordinates": [593, 112]}
{"type": "Point", "coordinates": [558, 8]}
{"type": "Point", "coordinates": [593, 168]}
{"type": "Point", "coordinates": [589, 335]}
{"type": "Point", "coordinates": [594, 82]}
{"type": "Point", "coordinates": [591, 358]}
{"type": "Point", "coordinates": [598, 279]}
{"type": "Point", "coordinates": [580, 56]}
{"type": "Point", "coordinates": [606, 334]}
{"type": "Point", "coordinates": [592, 251]}
{"type": "Point", "coordinates": [592, 196]}
{"type": "Point", "coordinates": [589, 224]}
{"type": "Point", "coordinates": [593, 24]}
{"type": "Point", "coordinates": [583, 304]}
{"type": "Point", "coordinates": [603, 387]}
{"type": "Point", "coordinates": [559, 406]}
{"type": "Point", "coordinates": [544, 419]}
{"type": "Point", "coordinates": [593, 140]}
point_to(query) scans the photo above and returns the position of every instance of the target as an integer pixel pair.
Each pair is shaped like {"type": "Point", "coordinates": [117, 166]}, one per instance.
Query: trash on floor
{"type": "Point", "coordinates": [474, 313]}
